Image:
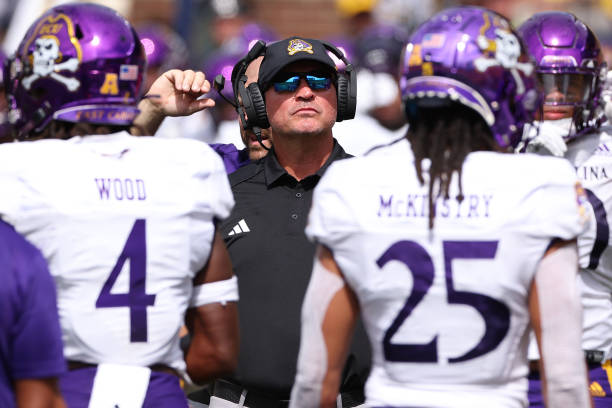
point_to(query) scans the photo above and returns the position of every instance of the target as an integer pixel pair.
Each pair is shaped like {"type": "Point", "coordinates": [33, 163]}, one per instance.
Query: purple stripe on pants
{"type": "Point", "coordinates": [534, 394]}
{"type": "Point", "coordinates": [164, 389]}
{"type": "Point", "coordinates": [599, 384]}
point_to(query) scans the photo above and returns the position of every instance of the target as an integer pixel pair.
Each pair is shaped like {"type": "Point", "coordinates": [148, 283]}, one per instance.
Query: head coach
{"type": "Point", "coordinates": [299, 95]}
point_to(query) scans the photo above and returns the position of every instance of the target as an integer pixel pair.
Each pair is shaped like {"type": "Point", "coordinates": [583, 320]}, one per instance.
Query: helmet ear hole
{"type": "Point", "coordinates": [78, 33]}
{"type": "Point", "coordinates": [39, 93]}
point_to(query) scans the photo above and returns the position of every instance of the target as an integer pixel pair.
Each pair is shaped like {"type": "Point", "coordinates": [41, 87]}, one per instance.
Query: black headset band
{"type": "Point", "coordinates": [257, 50]}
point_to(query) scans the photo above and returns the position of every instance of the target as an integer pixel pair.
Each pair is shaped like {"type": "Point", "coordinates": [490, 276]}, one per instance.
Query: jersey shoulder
{"type": "Point", "coordinates": [528, 169]}
{"type": "Point", "coordinates": [179, 150]}
{"type": "Point", "coordinates": [383, 161]}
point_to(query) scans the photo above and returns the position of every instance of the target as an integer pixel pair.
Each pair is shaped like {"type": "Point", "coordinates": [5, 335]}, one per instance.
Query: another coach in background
{"type": "Point", "coordinates": [177, 93]}
{"type": "Point", "coordinates": [304, 96]}
{"type": "Point", "coordinates": [30, 338]}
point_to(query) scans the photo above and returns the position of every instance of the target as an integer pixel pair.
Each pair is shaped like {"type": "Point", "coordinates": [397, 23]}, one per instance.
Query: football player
{"type": "Point", "coordinates": [571, 68]}
{"type": "Point", "coordinates": [127, 224]}
{"type": "Point", "coordinates": [452, 255]}
{"type": "Point", "coordinates": [30, 338]}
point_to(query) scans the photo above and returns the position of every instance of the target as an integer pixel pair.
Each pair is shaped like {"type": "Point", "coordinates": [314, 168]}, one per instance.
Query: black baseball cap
{"type": "Point", "coordinates": [284, 52]}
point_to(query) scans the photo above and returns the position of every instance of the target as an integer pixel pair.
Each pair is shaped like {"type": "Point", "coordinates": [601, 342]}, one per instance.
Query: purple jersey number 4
{"type": "Point", "coordinates": [495, 314]}
{"type": "Point", "coordinates": [134, 250]}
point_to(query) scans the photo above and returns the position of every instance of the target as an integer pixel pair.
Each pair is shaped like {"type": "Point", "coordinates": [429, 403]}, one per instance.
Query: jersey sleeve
{"type": "Point", "coordinates": [37, 350]}
{"type": "Point", "coordinates": [17, 199]}
{"type": "Point", "coordinates": [215, 193]}
{"type": "Point", "coordinates": [560, 204]}
{"type": "Point", "coordinates": [331, 217]}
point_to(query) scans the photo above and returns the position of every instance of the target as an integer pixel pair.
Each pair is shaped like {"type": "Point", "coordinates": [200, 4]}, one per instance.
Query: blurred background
{"type": "Point", "coordinates": [205, 25]}
{"type": "Point", "coordinates": [212, 35]}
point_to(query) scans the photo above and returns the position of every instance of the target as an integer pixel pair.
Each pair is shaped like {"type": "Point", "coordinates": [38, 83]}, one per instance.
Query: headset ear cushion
{"type": "Point", "coordinates": [343, 96]}
{"type": "Point", "coordinates": [259, 106]}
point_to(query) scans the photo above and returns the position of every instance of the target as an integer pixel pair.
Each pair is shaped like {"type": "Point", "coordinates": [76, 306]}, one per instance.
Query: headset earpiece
{"type": "Point", "coordinates": [257, 108]}
{"type": "Point", "coordinates": [254, 107]}
{"type": "Point", "coordinates": [346, 86]}
{"type": "Point", "coordinates": [347, 96]}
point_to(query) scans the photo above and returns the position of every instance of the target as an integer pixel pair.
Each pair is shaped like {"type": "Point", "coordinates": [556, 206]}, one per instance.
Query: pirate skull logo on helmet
{"type": "Point", "coordinates": [45, 56]}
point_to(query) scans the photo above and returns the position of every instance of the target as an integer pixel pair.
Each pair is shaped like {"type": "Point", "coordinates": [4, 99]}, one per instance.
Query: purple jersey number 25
{"type": "Point", "coordinates": [134, 250]}
{"type": "Point", "coordinates": [495, 314]}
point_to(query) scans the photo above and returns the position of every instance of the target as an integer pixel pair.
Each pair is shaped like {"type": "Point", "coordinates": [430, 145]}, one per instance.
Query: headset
{"type": "Point", "coordinates": [253, 103]}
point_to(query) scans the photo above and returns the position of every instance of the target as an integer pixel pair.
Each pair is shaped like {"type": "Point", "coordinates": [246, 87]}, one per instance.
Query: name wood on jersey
{"type": "Point", "coordinates": [416, 205]}
{"type": "Point", "coordinates": [121, 189]}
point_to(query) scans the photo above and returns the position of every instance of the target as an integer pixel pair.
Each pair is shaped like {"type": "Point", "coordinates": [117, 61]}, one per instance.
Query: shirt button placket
{"type": "Point", "coordinates": [295, 216]}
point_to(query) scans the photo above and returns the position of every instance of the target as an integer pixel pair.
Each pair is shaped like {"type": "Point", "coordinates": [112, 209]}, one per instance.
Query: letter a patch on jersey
{"type": "Point", "coordinates": [581, 200]}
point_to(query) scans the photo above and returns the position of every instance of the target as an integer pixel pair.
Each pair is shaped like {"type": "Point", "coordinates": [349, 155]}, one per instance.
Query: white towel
{"type": "Point", "coordinates": [119, 385]}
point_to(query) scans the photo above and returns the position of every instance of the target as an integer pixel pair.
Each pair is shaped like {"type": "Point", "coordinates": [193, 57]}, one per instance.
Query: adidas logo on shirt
{"type": "Point", "coordinates": [239, 228]}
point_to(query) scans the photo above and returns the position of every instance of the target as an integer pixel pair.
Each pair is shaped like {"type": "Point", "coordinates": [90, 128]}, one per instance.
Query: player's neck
{"type": "Point", "coordinates": [302, 157]}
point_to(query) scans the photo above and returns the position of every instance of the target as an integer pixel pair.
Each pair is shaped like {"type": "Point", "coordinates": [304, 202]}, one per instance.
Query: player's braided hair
{"type": "Point", "coordinates": [446, 135]}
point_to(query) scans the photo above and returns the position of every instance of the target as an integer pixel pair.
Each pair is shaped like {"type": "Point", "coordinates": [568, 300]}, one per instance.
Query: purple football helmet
{"type": "Point", "coordinates": [471, 56]}
{"type": "Point", "coordinates": [165, 49]}
{"type": "Point", "coordinates": [222, 62]}
{"type": "Point", "coordinates": [78, 62]}
{"type": "Point", "coordinates": [379, 48]}
{"type": "Point", "coordinates": [570, 64]}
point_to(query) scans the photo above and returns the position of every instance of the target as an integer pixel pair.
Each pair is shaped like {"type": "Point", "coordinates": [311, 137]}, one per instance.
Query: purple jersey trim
{"type": "Point", "coordinates": [602, 231]}
{"type": "Point", "coordinates": [233, 158]}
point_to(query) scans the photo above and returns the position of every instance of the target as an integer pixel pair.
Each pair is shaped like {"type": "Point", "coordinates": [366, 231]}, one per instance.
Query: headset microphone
{"type": "Point", "coordinates": [218, 84]}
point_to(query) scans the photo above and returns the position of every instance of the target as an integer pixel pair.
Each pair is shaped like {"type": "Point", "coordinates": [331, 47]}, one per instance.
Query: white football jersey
{"type": "Point", "coordinates": [591, 155]}
{"type": "Point", "coordinates": [125, 224]}
{"type": "Point", "coordinates": [445, 309]}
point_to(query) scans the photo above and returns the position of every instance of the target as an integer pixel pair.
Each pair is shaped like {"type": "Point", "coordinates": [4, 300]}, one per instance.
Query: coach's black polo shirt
{"type": "Point", "coordinates": [272, 259]}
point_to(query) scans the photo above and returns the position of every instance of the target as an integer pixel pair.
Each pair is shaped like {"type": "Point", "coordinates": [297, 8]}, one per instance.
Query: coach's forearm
{"type": "Point", "coordinates": [148, 120]}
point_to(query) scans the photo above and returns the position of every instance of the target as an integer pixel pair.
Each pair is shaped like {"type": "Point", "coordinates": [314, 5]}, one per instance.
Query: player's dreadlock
{"type": "Point", "coordinates": [446, 135]}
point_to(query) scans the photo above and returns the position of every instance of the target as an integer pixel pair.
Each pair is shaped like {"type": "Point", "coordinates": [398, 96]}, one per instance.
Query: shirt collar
{"type": "Point", "coordinates": [274, 172]}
